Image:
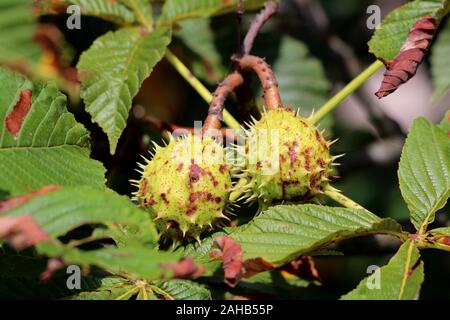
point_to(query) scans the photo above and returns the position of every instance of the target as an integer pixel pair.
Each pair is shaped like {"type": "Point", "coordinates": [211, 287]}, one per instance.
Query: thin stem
{"type": "Point", "coordinates": [228, 85]}
{"type": "Point", "coordinates": [342, 199]}
{"type": "Point", "coordinates": [230, 121]}
{"type": "Point", "coordinates": [355, 84]}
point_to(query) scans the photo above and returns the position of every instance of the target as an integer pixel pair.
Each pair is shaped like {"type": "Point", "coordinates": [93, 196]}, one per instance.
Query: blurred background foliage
{"type": "Point", "coordinates": [315, 47]}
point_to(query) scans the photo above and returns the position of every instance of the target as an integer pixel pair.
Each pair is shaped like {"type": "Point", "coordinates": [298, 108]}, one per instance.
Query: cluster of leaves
{"type": "Point", "coordinates": [52, 187]}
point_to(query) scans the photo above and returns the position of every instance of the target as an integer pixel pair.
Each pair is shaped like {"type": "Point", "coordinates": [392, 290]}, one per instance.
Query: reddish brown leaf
{"type": "Point", "coordinates": [15, 119]}
{"type": "Point", "coordinates": [231, 254]}
{"type": "Point", "coordinates": [14, 202]}
{"type": "Point", "coordinates": [233, 265]}
{"type": "Point", "coordinates": [184, 269]}
{"type": "Point", "coordinates": [21, 232]}
{"type": "Point", "coordinates": [411, 55]}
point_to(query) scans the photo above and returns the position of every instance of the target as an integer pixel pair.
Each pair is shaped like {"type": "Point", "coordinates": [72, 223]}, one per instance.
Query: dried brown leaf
{"type": "Point", "coordinates": [235, 268]}
{"type": "Point", "coordinates": [412, 53]}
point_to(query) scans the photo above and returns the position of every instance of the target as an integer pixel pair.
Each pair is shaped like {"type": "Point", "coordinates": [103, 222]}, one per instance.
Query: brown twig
{"type": "Point", "coordinates": [245, 94]}
{"type": "Point", "coordinates": [228, 85]}
{"type": "Point", "coordinates": [265, 74]}
{"type": "Point", "coordinates": [270, 9]}
{"type": "Point", "coordinates": [245, 63]}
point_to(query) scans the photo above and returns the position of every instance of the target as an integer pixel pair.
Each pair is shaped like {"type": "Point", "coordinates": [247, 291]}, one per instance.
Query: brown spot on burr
{"type": "Point", "coordinates": [193, 197]}
{"type": "Point", "coordinates": [191, 210]}
{"type": "Point", "coordinates": [321, 140]}
{"type": "Point", "coordinates": [195, 173]}
{"type": "Point", "coordinates": [164, 198]}
{"type": "Point", "coordinates": [313, 181]}
{"type": "Point", "coordinates": [151, 201]}
{"type": "Point", "coordinates": [223, 168]}
{"type": "Point", "coordinates": [321, 163]}
{"type": "Point", "coordinates": [196, 196]}
{"type": "Point", "coordinates": [307, 155]}
{"type": "Point", "coordinates": [292, 153]}
{"type": "Point", "coordinates": [213, 179]}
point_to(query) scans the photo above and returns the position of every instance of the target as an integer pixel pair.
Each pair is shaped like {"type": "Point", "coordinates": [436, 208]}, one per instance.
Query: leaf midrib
{"type": "Point", "coordinates": [405, 272]}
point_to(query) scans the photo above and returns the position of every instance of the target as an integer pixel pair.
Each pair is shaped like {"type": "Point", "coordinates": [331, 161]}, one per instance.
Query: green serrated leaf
{"type": "Point", "coordinates": [440, 68]}
{"type": "Point", "coordinates": [61, 211]}
{"type": "Point", "coordinates": [174, 10]}
{"type": "Point", "coordinates": [285, 232]}
{"type": "Point", "coordinates": [113, 70]}
{"type": "Point", "coordinates": [51, 148]}
{"type": "Point", "coordinates": [424, 172]}
{"type": "Point", "coordinates": [400, 279]}
{"type": "Point", "coordinates": [392, 32]}
{"type": "Point", "coordinates": [182, 290]}
{"type": "Point", "coordinates": [111, 10]}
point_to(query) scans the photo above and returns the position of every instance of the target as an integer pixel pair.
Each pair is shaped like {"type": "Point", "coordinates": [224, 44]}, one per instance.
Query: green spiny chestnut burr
{"type": "Point", "coordinates": [187, 184]}
{"type": "Point", "coordinates": [285, 158]}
